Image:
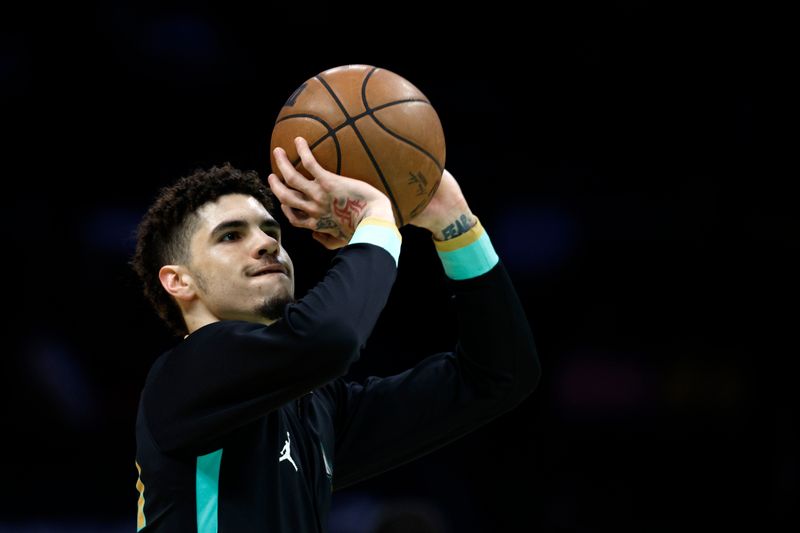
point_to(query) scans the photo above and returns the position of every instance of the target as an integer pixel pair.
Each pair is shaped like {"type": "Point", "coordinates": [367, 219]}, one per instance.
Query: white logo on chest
{"type": "Point", "coordinates": [286, 452]}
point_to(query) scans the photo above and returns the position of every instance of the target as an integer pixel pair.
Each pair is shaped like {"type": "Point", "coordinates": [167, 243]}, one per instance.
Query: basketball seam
{"type": "Point", "coordinates": [318, 141]}
{"type": "Point", "coordinates": [371, 113]}
{"type": "Point", "coordinates": [407, 141]}
{"type": "Point", "coordinates": [395, 102]}
{"type": "Point", "coordinates": [364, 144]}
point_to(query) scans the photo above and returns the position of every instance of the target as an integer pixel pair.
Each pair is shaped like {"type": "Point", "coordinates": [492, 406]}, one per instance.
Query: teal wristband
{"type": "Point", "coordinates": [383, 236]}
{"type": "Point", "coordinates": [470, 261]}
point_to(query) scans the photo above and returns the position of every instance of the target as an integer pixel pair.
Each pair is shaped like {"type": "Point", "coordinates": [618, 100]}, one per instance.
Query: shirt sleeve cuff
{"type": "Point", "coordinates": [469, 255]}
{"type": "Point", "coordinates": [380, 232]}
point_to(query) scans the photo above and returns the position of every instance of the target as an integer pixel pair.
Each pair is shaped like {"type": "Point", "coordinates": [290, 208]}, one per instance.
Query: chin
{"type": "Point", "coordinates": [273, 307]}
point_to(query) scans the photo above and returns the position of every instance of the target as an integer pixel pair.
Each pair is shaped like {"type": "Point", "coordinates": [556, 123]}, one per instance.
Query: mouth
{"type": "Point", "coordinates": [269, 269]}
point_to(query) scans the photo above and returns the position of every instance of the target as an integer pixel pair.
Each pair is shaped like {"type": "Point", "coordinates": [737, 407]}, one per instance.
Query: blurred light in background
{"type": "Point", "coordinates": [354, 512]}
{"type": "Point", "coordinates": [534, 240]}
{"type": "Point", "coordinates": [360, 512]}
{"type": "Point", "coordinates": [603, 384]}
{"type": "Point", "coordinates": [14, 61]}
{"type": "Point", "coordinates": [61, 527]}
{"type": "Point", "coordinates": [185, 39]}
{"type": "Point", "coordinates": [111, 229]}
{"type": "Point", "coordinates": [63, 380]}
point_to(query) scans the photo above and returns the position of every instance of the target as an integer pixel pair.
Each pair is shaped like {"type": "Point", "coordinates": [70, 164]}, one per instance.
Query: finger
{"type": "Point", "coordinates": [291, 197]}
{"type": "Point", "coordinates": [328, 241]}
{"type": "Point", "coordinates": [309, 161]}
{"type": "Point", "coordinates": [321, 238]}
{"type": "Point", "coordinates": [297, 180]}
{"type": "Point", "coordinates": [284, 165]}
{"type": "Point", "coordinates": [297, 218]}
{"type": "Point", "coordinates": [287, 195]}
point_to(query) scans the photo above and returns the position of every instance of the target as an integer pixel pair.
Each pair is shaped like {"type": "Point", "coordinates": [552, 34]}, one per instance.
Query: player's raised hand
{"type": "Point", "coordinates": [447, 214]}
{"type": "Point", "coordinates": [330, 205]}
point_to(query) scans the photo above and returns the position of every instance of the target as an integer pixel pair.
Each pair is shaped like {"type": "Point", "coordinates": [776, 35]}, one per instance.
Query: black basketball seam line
{"type": "Point", "coordinates": [304, 115]}
{"type": "Point", "coordinates": [347, 119]}
{"type": "Point", "coordinates": [371, 113]}
{"type": "Point", "coordinates": [382, 106]}
{"type": "Point", "coordinates": [335, 98]}
{"type": "Point", "coordinates": [364, 144]}
{"type": "Point", "coordinates": [318, 141]}
{"type": "Point", "coordinates": [380, 172]}
{"type": "Point", "coordinates": [338, 151]}
{"type": "Point", "coordinates": [343, 125]}
{"type": "Point", "coordinates": [350, 121]}
{"type": "Point", "coordinates": [332, 131]}
{"type": "Point", "coordinates": [410, 143]}
{"type": "Point", "coordinates": [356, 117]}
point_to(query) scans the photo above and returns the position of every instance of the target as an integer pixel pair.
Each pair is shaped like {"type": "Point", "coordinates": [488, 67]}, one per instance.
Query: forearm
{"type": "Point", "coordinates": [359, 294]}
{"type": "Point", "coordinates": [449, 225]}
{"type": "Point", "coordinates": [494, 335]}
{"type": "Point", "coordinates": [494, 367]}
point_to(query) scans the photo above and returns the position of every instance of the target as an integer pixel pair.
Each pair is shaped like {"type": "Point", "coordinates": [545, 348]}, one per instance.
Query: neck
{"type": "Point", "coordinates": [197, 318]}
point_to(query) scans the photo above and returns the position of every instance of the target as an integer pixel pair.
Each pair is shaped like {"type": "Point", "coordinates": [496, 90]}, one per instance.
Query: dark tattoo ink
{"type": "Point", "coordinates": [420, 181]}
{"type": "Point", "coordinates": [458, 227]}
{"type": "Point", "coordinates": [425, 201]}
{"type": "Point", "coordinates": [326, 222]}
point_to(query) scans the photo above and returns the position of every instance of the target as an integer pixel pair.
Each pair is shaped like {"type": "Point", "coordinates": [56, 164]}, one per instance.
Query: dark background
{"type": "Point", "coordinates": [622, 158]}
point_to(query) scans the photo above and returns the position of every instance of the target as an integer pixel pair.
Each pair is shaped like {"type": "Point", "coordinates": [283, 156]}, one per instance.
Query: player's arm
{"type": "Point", "coordinates": [494, 366]}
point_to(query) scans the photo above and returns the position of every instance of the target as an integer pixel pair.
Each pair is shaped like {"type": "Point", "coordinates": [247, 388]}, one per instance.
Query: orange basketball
{"type": "Point", "coordinates": [370, 124]}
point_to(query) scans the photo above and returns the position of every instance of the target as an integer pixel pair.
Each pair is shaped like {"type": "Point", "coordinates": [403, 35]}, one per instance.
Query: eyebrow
{"type": "Point", "coordinates": [270, 224]}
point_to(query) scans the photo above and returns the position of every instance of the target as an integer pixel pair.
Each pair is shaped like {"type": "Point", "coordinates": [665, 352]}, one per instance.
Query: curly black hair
{"type": "Point", "coordinates": [162, 237]}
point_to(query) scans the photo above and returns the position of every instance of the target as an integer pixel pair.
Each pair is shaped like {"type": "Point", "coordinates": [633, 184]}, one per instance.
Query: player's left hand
{"type": "Point", "coordinates": [446, 211]}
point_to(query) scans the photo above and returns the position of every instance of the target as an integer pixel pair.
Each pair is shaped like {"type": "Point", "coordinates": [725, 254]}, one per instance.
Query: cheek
{"type": "Point", "coordinates": [220, 278]}
{"type": "Point", "coordinates": [284, 257]}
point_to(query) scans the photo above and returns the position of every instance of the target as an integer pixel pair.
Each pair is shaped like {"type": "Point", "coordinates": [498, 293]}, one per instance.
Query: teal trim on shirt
{"type": "Point", "coordinates": [207, 491]}
{"type": "Point", "coordinates": [383, 236]}
{"type": "Point", "coordinates": [470, 261]}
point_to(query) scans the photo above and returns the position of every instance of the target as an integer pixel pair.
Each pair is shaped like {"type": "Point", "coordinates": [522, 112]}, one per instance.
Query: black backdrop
{"type": "Point", "coordinates": [616, 154]}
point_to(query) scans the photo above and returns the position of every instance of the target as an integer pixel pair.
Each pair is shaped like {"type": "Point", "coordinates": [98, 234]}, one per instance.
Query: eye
{"type": "Point", "coordinates": [272, 232]}
{"type": "Point", "coordinates": [229, 236]}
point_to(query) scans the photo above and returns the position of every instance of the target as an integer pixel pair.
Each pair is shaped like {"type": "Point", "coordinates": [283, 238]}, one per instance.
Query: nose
{"type": "Point", "coordinates": [265, 244]}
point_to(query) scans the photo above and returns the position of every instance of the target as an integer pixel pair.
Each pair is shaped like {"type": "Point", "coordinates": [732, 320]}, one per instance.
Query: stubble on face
{"type": "Point", "coordinates": [221, 261]}
{"type": "Point", "coordinates": [272, 307]}
{"type": "Point", "coordinates": [275, 305]}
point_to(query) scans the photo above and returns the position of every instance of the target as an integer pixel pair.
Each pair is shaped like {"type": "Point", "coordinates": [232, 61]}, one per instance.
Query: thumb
{"type": "Point", "coordinates": [328, 241]}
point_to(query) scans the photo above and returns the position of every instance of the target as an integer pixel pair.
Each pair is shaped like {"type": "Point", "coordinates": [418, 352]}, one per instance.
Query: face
{"type": "Point", "coordinates": [238, 265]}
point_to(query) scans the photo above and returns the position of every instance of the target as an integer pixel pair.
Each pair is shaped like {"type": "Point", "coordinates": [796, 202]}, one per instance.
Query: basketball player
{"type": "Point", "coordinates": [247, 425]}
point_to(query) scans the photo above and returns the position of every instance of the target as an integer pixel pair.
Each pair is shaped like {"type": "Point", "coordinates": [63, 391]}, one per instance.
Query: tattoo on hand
{"type": "Point", "coordinates": [347, 209]}
{"type": "Point", "coordinates": [459, 226]}
{"type": "Point", "coordinates": [325, 222]}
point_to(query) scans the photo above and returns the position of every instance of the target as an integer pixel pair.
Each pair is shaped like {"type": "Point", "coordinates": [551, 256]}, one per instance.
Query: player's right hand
{"type": "Point", "coordinates": [329, 204]}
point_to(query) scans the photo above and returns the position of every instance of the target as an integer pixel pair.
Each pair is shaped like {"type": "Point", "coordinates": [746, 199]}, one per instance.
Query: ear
{"type": "Point", "coordinates": [177, 281]}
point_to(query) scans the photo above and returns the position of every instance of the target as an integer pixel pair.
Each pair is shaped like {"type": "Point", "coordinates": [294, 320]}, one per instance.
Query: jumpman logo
{"type": "Point", "coordinates": [286, 452]}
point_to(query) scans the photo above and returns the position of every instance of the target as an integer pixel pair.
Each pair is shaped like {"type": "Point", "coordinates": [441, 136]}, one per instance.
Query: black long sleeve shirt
{"type": "Point", "coordinates": [248, 428]}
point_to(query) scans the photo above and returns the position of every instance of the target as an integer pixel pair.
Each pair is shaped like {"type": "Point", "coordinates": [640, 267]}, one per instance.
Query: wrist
{"type": "Point", "coordinates": [380, 232]}
{"type": "Point", "coordinates": [452, 225]}
{"type": "Point", "coordinates": [381, 209]}
{"type": "Point", "coordinates": [469, 255]}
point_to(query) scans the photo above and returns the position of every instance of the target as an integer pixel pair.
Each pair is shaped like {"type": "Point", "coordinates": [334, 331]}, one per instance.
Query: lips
{"type": "Point", "coordinates": [269, 269]}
